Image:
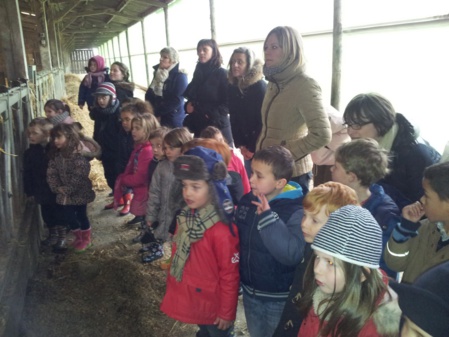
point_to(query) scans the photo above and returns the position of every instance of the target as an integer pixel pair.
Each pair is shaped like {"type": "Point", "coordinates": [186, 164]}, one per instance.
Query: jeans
{"type": "Point", "coordinates": [76, 217]}
{"type": "Point", "coordinates": [262, 317]}
{"type": "Point", "coordinates": [213, 331]}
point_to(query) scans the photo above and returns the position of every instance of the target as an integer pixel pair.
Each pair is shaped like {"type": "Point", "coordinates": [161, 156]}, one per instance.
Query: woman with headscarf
{"type": "Point", "coordinates": [292, 111]}
{"type": "Point", "coordinates": [166, 89]}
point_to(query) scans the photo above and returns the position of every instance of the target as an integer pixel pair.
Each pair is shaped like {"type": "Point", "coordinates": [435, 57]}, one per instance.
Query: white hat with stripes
{"type": "Point", "coordinates": [351, 234]}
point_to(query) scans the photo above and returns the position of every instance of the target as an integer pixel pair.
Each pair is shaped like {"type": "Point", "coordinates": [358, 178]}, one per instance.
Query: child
{"type": "Point", "coordinates": [318, 204]}
{"type": "Point", "coordinates": [146, 236]}
{"type": "Point", "coordinates": [135, 176]}
{"type": "Point", "coordinates": [105, 114]}
{"type": "Point", "coordinates": [425, 303]}
{"type": "Point", "coordinates": [96, 74]}
{"type": "Point", "coordinates": [234, 180]}
{"type": "Point", "coordinates": [415, 245]}
{"type": "Point", "coordinates": [345, 293]}
{"type": "Point", "coordinates": [359, 164]}
{"type": "Point", "coordinates": [35, 164]}
{"type": "Point", "coordinates": [271, 241]}
{"type": "Point", "coordinates": [203, 280]}
{"type": "Point", "coordinates": [160, 210]}
{"type": "Point", "coordinates": [126, 145]}
{"type": "Point", "coordinates": [120, 78]}
{"type": "Point", "coordinates": [68, 177]}
{"type": "Point", "coordinates": [58, 112]}
{"type": "Point", "coordinates": [236, 164]}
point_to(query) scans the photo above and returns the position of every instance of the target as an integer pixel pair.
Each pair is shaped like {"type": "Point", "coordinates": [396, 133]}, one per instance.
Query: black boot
{"type": "Point", "coordinates": [60, 247]}
{"type": "Point", "coordinates": [52, 238]}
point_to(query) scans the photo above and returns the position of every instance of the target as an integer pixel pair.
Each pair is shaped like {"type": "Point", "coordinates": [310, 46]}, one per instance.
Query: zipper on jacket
{"type": "Point", "coordinates": [249, 251]}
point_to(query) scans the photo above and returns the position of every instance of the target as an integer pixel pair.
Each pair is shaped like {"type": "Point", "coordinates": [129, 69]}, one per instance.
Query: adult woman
{"type": "Point", "coordinates": [166, 89]}
{"type": "Point", "coordinates": [120, 78]}
{"type": "Point", "coordinates": [373, 116]}
{"type": "Point", "coordinates": [292, 111]}
{"type": "Point", "coordinates": [207, 92]}
{"type": "Point", "coordinates": [245, 96]}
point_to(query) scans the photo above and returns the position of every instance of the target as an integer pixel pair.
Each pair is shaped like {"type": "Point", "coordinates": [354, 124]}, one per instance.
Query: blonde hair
{"type": "Point", "coordinates": [148, 122]}
{"type": "Point", "coordinates": [291, 44]}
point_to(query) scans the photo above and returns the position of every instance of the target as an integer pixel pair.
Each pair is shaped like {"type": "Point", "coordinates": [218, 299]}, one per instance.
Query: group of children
{"type": "Point", "coordinates": [320, 264]}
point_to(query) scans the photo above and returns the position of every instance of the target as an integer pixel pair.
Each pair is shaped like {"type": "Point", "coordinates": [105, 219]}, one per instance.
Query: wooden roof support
{"type": "Point", "coordinates": [336, 55]}
{"type": "Point", "coordinates": [13, 45]}
{"type": "Point", "coordinates": [69, 10]}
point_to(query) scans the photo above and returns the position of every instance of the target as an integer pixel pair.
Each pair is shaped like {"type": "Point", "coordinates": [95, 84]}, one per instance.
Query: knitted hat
{"type": "Point", "coordinates": [200, 163]}
{"type": "Point", "coordinates": [106, 88]}
{"type": "Point", "coordinates": [351, 234]}
{"type": "Point", "coordinates": [426, 301]}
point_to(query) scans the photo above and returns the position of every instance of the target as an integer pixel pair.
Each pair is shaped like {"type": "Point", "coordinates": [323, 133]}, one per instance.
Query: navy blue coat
{"type": "Point", "coordinates": [35, 164]}
{"type": "Point", "coordinates": [271, 244]}
{"type": "Point", "coordinates": [245, 113]}
{"type": "Point", "coordinates": [387, 215]}
{"type": "Point", "coordinates": [170, 106]}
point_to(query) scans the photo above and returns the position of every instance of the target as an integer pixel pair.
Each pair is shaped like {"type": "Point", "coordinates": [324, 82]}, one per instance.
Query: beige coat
{"type": "Point", "coordinates": [417, 254]}
{"type": "Point", "coordinates": [293, 116]}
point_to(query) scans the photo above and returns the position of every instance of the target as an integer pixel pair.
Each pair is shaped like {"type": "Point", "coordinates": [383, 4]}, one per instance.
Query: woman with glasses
{"type": "Point", "coordinates": [292, 111]}
{"type": "Point", "coordinates": [373, 116]}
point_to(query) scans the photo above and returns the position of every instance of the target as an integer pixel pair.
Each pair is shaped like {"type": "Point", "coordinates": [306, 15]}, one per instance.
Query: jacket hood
{"type": "Point", "coordinates": [125, 85]}
{"type": "Point", "coordinates": [254, 75]}
{"type": "Point", "coordinates": [386, 318]}
{"type": "Point", "coordinates": [100, 62]}
{"type": "Point", "coordinates": [291, 191]}
{"type": "Point", "coordinates": [90, 148]}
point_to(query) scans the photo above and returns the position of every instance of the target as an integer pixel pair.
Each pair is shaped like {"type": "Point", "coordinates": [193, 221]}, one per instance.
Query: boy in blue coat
{"type": "Point", "coordinates": [359, 164]}
{"type": "Point", "coordinates": [271, 241]}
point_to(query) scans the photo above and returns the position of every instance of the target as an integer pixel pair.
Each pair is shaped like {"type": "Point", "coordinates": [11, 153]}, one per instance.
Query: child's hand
{"type": "Point", "coordinates": [262, 205]}
{"type": "Point", "coordinates": [222, 324]}
{"type": "Point", "coordinates": [413, 212]}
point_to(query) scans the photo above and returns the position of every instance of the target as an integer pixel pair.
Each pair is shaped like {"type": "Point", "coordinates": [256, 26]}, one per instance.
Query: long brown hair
{"type": "Point", "coordinates": [346, 312]}
{"type": "Point", "coordinates": [71, 133]}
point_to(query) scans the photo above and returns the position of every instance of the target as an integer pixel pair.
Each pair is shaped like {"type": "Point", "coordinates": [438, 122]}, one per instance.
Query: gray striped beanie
{"type": "Point", "coordinates": [351, 234]}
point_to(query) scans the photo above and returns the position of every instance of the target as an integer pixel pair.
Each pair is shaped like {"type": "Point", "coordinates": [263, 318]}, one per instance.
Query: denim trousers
{"type": "Point", "coordinates": [262, 317]}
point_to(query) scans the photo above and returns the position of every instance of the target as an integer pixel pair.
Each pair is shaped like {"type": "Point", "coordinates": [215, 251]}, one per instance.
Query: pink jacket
{"type": "Point", "coordinates": [136, 177]}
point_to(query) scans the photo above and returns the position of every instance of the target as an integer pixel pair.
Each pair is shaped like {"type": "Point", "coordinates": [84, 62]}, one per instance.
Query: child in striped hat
{"type": "Point", "coordinates": [346, 294]}
{"type": "Point", "coordinates": [106, 116]}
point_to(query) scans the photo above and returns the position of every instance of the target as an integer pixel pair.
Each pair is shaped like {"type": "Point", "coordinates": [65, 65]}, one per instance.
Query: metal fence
{"type": "Point", "coordinates": [18, 107]}
{"type": "Point", "coordinates": [79, 60]}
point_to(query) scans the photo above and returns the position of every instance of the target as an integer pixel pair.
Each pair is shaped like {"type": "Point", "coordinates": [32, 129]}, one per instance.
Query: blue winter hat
{"type": "Point", "coordinates": [200, 163]}
{"type": "Point", "coordinates": [351, 234]}
{"type": "Point", "coordinates": [426, 301]}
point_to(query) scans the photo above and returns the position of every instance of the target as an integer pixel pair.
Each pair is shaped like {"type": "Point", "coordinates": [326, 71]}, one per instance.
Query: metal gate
{"type": "Point", "coordinates": [80, 57]}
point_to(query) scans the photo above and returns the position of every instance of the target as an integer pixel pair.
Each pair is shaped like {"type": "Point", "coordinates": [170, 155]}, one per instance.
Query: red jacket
{"type": "Point", "coordinates": [384, 322]}
{"type": "Point", "coordinates": [236, 165]}
{"type": "Point", "coordinates": [136, 177]}
{"type": "Point", "coordinates": [210, 280]}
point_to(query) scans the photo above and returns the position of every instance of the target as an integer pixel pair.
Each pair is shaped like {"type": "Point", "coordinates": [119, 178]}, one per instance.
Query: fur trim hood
{"type": "Point", "coordinates": [125, 85]}
{"type": "Point", "coordinates": [387, 316]}
{"type": "Point", "coordinates": [90, 149]}
{"type": "Point", "coordinates": [254, 75]}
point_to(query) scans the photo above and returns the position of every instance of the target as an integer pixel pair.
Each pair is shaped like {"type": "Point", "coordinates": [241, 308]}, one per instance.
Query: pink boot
{"type": "Point", "coordinates": [77, 234]}
{"type": "Point", "coordinates": [85, 241]}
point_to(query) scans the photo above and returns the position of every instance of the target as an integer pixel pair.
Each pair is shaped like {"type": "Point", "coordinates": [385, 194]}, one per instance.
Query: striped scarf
{"type": "Point", "coordinates": [191, 227]}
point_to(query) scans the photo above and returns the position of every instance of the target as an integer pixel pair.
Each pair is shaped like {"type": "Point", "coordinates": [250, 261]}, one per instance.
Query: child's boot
{"type": "Point", "coordinates": [52, 238]}
{"type": "Point", "coordinates": [127, 204]}
{"type": "Point", "coordinates": [77, 234]}
{"type": "Point", "coordinates": [111, 205]}
{"type": "Point", "coordinates": [60, 247]}
{"type": "Point", "coordinates": [85, 241]}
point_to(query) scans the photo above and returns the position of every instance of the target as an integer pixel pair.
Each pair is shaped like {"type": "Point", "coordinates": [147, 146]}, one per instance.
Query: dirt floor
{"type": "Point", "coordinates": [105, 291]}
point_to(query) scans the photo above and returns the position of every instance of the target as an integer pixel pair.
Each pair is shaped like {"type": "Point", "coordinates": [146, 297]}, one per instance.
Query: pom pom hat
{"type": "Point", "coordinates": [200, 163]}
{"type": "Point", "coordinates": [426, 301]}
{"type": "Point", "coordinates": [351, 234]}
{"type": "Point", "coordinates": [106, 88]}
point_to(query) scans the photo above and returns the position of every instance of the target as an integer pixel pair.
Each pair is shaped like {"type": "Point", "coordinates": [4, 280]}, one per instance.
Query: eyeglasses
{"type": "Point", "coordinates": [356, 126]}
